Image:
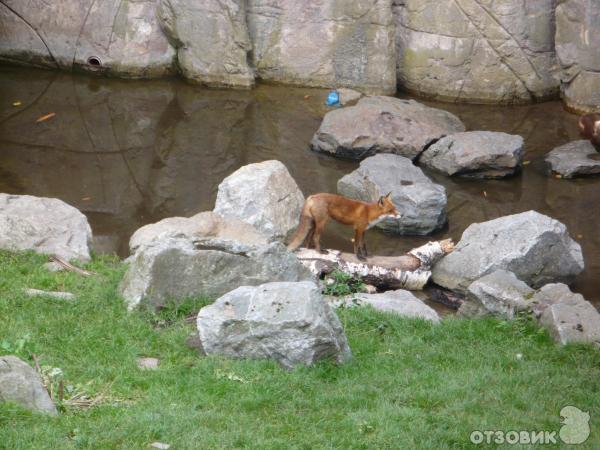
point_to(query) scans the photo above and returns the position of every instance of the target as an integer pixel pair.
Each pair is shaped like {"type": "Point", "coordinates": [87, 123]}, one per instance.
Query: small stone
{"type": "Point", "coordinates": [148, 363]}
{"type": "Point", "coordinates": [56, 294]}
{"type": "Point", "coordinates": [160, 446]}
{"type": "Point", "coordinates": [53, 266]}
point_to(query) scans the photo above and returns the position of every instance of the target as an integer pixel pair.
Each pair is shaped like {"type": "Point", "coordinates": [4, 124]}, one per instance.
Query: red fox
{"type": "Point", "coordinates": [319, 208]}
{"type": "Point", "coordinates": [589, 126]}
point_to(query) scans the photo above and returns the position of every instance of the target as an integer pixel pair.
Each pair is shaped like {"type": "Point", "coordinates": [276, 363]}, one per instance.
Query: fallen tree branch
{"type": "Point", "coordinates": [410, 271]}
{"type": "Point", "coordinates": [70, 266]}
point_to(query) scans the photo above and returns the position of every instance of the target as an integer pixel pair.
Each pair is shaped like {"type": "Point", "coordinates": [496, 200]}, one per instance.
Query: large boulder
{"type": "Point", "coordinates": [567, 315]}
{"type": "Point", "coordinates": [112, 36]}
{"type": "Point", "coordinates": [499, 51]}
{"type": "Point", "coordinates": [21, 384]}
{"type": "Point", "coordinates": [421, 202]}
{"type": "Point", "coordinates": [499, 293]}
{"type": "Point", "coordinates": [206, 257]}
{"type": "Point", "coordinates": [383, 125]}
{"type": "Point", "coordinates": [535, 247]}
{"type": "Point", "coordinates": [211, 39]}
{"type": "Point", "coordinates": [574, 159]}
{"type": "Point", "coordinates": [324, 43]}
{"type": "Point", "coordinates": [476, 154]}
{"type": "Point", "coordinates": [204, 225]}
{"type": "Point", "coordinates": [263, 195]}
{"type": "Point", "coordinates": [44, 225]}
{"type": "Point", "coordinates": [577, 43]}
{"type": "Point", "coordinates": [287, 322]}
{"type": "Point", "coordinates": [400, 302]}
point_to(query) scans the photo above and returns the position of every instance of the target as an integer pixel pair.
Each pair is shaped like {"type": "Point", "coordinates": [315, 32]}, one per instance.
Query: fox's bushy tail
{"type": "Point", "coordinates": [306, 224]}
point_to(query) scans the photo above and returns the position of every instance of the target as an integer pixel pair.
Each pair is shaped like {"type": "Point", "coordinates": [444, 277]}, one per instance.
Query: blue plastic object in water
{"type": "Point", "coordinates": [333, 99]}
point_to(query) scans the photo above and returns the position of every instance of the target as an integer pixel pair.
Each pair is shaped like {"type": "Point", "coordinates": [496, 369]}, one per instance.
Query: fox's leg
{"type": "Point", "coordinates": [359, 244]}
{"type": "Point", "coordinates": [319, 226]}
{"type": "Point", "coordinates": [309, 237]}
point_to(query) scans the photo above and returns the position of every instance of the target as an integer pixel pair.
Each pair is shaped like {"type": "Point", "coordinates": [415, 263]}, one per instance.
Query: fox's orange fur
{"type": "Point", "coordinates": [319, 208]}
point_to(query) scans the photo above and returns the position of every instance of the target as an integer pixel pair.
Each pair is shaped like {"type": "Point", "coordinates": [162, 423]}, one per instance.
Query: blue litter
{"type": "Point", "coordinates": [333, 98]}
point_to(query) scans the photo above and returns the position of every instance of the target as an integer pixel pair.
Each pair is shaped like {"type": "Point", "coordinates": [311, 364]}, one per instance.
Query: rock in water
{"type": "Point", "coordinates": [263, 195]}
{"type": "Point", "coordinates": [575, 159]}
{"type": "Point", "coordinates": [114, 37]}
{"type": "Point", "coordinates": [500, 293]}
{"type": "Point", "coordinates": [211, 38]}
{"type": "Point", "coordinates": [400, 302]}
{"type": "Point", "coordinates": [535, 247]}
{"type": "Point", "coordinates": [577, 44]}
{"type": "Point", "coordinates": [172, 269]}
{"type": "Point", "coordinates": [421, 202]}
{"type": "Point", "coordinates": [568, 316]}
{"type": "Point", "coordinates": [499, 51]}
{"type": "Point", "coordinates": [324, 43]}
{"type": "Point", "coordinates": [287, 322]}
{"type": "Point", "coordinates": [477, 154]}
{"type": "Point", "coordinates": [45, 225]}
{"type": "Point", "coordinates": [383, 125]}
{"type": "Point", "coordinates": [21, 384]}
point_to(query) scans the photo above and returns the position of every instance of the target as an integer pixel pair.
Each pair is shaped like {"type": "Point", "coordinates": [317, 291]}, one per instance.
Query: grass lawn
{"type": "Point", "coordinates": [410, 385]}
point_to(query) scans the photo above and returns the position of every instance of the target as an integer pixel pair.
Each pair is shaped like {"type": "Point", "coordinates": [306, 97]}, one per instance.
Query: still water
{"type": "Point", "coordinates": [128, 153]}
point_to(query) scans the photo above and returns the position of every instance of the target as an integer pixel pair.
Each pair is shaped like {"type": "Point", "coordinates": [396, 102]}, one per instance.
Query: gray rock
{"type": "Point", "coordinates": [383, 125]}
{"type": "Point", "coordinates": [263, 195]}
{"type": "Point", "coordinates": [400, 302]}
{"type": "Point", "coordinates": [44, 225]}
{"type": "Point", "coordinates": [147, 363]}
{"type": "Point", "coordinates": [499, 51]}
{"type": "Point", "coordinates": [52, 294]}
{"type": "Point", "coordinates": [477, 154]}
{"type": "Point", "coordinates": [287, 322]}
{"type": "Point", "coordinates": [201, 226]}
{"type": "Point", "coordinates": [421, 202]}
{"type": "Point", "coordinates": [577, 158]}
{"type": "Point", "coordinates": [577, 43]}
{"type": "Point", "coordinates": [124, 37]}
{"type": "Point", "coordinates": [499, 293]}
{"type": "Point", "coordinates": [535, 247]}
{"type": "Point", "coordinates": [21, 384]}
{"type": "Point", "coordinates": [567, 315]}
{"type": "Point", "coordinates": [324, 43]}
{"type": "Point", "coordinates": [211, 39]}
{"type": "Point", "coordinates": [178, 268]}
{"type": "Point", "coordinates": [348, 96]}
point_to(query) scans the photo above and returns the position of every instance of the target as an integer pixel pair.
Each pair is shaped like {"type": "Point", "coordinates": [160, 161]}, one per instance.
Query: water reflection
{"type": "Point", "coordinates": [129, 153]}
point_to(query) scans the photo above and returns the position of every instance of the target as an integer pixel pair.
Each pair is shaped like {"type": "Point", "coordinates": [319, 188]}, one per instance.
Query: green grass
{"type": "Point", "coordinates": [410, 384]}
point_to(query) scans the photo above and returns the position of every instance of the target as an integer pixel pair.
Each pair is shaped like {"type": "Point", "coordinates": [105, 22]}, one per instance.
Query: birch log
{"type": "Point", "coordinates": [410, 271]}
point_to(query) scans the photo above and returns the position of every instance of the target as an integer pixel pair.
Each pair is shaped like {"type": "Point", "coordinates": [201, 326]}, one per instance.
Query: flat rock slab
{"type": "Point", "coordinates": [567, 315]}
{"type": "Point", "coordinates": [500, 293]}
{"type": "Point", "coordinates": [476, 154]}
{"type": "Point", "coordinates": [147, 363]}
{"type": "Point", "coordinates": [264, 195]}
{"type": "Point", "coordinates": [52, 294]}
{"type": "Point", "coordinates": [400, 302]}
{"type": "Point", "coordinates": [383, 125]}
{"type": "Point", "coordinates": [575, 159]}
{"type": "Point", "coordinates": [535, 247]}
{"type": "Point", "coordinates": [287, 322]}
{"type": "Point", "coordinates": [44, 225]}
{"type": "Point", "coordinates": [21, 384]}
{"type": "Point", "coordinates": [201, 226]}
{"type": "Point", "coordinates": [421, 202]}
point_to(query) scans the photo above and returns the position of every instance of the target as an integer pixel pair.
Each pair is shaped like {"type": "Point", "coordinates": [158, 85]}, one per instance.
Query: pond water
{"type": "Point", "coordinates": [128, 153]}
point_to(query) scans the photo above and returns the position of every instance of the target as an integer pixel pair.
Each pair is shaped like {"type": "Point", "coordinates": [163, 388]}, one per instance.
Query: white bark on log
{"type": "Point", "coordinates": [410, 271]}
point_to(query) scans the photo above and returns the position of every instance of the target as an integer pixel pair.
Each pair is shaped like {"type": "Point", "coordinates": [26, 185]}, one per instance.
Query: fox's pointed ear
{"type": "Point", "coordinates": [380, 201]}
{"type": "Point", "coordinates": [389, 195]}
